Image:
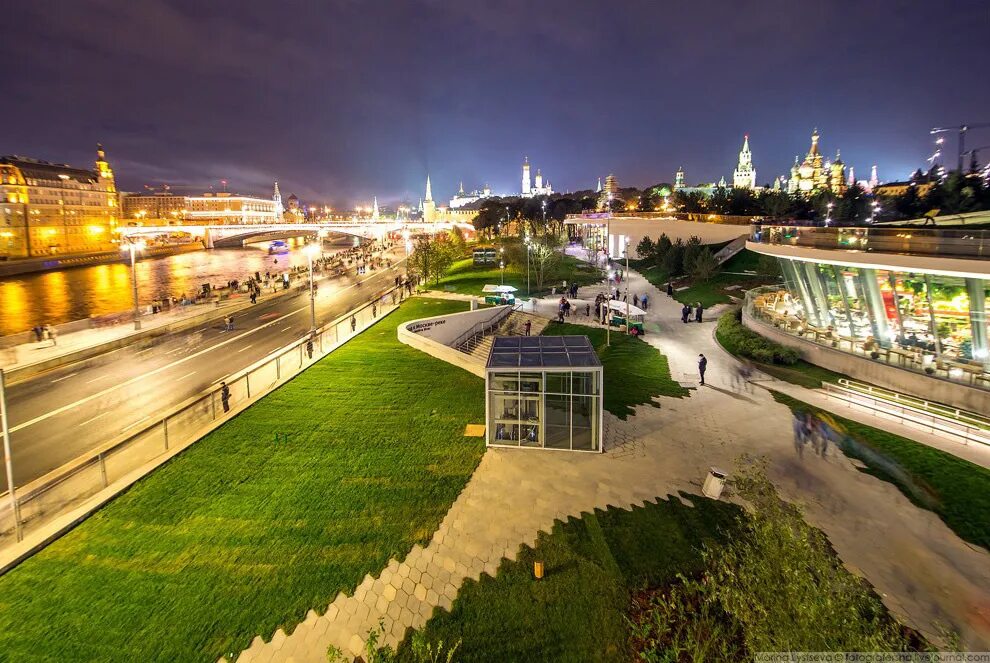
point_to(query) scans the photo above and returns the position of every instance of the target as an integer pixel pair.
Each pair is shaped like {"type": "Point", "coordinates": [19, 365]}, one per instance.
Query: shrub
{"type": "Point", "coordinates": [704, 265]}
{"type": "Point", "coordinates": [744, 342]}
{"type": "Point", "coordinates": [776, 586]}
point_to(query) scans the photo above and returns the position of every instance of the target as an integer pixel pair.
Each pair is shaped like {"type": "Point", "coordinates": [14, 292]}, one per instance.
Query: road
{"type": "Point", "coordinates": [60, 415]}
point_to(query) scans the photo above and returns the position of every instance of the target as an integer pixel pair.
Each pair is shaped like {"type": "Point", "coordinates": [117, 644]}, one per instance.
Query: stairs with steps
{"type": "Point", "coordinates": [514, 325]}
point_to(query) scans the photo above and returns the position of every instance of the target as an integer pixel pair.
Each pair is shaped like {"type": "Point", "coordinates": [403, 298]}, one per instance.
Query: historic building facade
{"type": "Point", "coordinates": [531, 188]}
{"type": "Point", "coordinates": [213, 208]}
{"type": "Point", "coordinates": [816, 174]}
{"type": "Point", "coordinates": [744, 176]}
{"type": "Point", "coordinates": [54, 209]}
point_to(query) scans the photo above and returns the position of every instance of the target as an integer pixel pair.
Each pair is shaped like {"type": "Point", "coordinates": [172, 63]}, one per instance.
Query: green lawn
{"type": "Point", "coordinates": [239, 535]}
{"type": "Point", "coordinates": [467, 278]}
{"type": "Point", "coordinates": [577, 612]}
{"type": "Point", "coordinates": [717, 290]}
{"type": "Point", "coordinates": [957, 490]}
{"type": "Point", "coordinates": [634, 371]}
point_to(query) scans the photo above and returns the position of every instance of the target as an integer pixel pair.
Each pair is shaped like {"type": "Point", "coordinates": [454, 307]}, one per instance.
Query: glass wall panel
{"type": "Point", "coordinates": [504, 412]}
{"type": "Point", "coordinates": [585, 427]}
{"type": "Point", "coordinates": [558, 383]}
{"type": "Point", "coordinates": [558, 421]}
{"type": "Point", "coordinates": [585, 383]}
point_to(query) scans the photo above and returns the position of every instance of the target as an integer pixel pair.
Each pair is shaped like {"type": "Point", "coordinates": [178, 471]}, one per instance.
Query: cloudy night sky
{"type": "Point", "coordinates": [340, 100]}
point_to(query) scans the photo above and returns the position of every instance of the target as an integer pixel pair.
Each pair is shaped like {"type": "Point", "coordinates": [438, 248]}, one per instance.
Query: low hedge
{"type": "Point", "coordinates": [746, 343]}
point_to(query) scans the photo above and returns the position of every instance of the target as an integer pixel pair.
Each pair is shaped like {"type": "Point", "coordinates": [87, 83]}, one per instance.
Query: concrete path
{"type": "Point", "coordinates": [924, 572]}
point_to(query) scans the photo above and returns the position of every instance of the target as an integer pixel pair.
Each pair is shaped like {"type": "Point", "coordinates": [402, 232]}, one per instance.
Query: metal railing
{"type": "Point", "coordinates": [965, 427]}
{"type": "Point", "coordinates": [482, 328]}
{"type": "Point", "coordinates": [905, 241]}
{"type": "Point", "coordinates": [64, 488]}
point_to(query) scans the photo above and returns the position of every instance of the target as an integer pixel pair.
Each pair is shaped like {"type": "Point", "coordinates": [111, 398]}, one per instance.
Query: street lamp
{"type": "Point", "coordinates": [544, 206]}
{"type": "Point", "coordinates": [962, 129]}
{"type": "Point", "coordinates": [311, 251]}
{"type": "Point", "coordinates": [7, 459]}
{"type": "Point", "coordinates": [529, 243]}
{"type": "Point", "coordinates": [135, 245]}
{"type": "Point", "coordinates": [828, 213]}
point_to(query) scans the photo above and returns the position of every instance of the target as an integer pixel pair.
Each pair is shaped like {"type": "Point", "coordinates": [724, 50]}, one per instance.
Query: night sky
{"type": "Point", "coordinates": [340, 100]}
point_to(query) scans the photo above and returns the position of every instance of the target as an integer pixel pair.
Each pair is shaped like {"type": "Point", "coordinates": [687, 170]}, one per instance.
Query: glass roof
{"type": "Point", "coordinates": [542, 352]}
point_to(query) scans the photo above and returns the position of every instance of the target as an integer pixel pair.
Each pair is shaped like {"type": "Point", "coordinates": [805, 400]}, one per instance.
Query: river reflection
{"type": "Point", "coordinates": [81, 292]}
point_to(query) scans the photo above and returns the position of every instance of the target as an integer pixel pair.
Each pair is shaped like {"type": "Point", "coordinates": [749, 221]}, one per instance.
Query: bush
{"type": "Point", "coordinates": [776, 586]}
{"type": "Point", "coordinates": [704, 265]}
{"type": "Point", "coordinates": [744, 342]}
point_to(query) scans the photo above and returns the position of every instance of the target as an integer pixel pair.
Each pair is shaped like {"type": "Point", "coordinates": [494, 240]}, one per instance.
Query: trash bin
{"type": "Point", "coordinates": [714, 483]}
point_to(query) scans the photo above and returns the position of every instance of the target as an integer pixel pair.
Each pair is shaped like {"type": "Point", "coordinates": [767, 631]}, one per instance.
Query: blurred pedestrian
{"type": "Point", "coordinates": [702, 366]}
{"type": "Point", "coordinates": [225, 396]}
{"type": "Point", "coordinates": [698, 312]}
{"type": "Point", "coordinates": [685, 313]}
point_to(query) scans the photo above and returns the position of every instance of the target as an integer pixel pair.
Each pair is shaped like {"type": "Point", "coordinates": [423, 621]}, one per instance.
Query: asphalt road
{"type": "Point", "coordinates": [60, 415]}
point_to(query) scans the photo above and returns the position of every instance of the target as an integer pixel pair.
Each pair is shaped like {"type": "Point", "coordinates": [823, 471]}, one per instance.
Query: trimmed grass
{"type": "Point", "coordinates": [467, 278]}
{"type": "Point", "coordinates": [239, 535]}
{"type": "Point", "coordinates": [960, 489]}
{"type": "Point", "coordinates": [634, 371]}
{"type": "Point", "coordinates": [577, 612]}
{"type": "Point", "coordinates": [716, 290]}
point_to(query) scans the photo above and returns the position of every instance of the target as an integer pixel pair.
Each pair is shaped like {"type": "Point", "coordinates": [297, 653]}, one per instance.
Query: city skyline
{"type": "Point", "coordinates": [342, 104]}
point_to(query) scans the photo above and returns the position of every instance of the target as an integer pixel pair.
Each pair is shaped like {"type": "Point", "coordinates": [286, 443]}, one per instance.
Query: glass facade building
{"type": "Point", "coordinates": [851, 298]}
{"type": "Point", "coordinates": [544, 392]}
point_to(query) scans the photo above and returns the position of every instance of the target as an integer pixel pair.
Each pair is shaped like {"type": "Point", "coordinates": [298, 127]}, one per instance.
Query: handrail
{"type": "Point", "coordinates": [479, 327]}
{"type": "Point", "coordinates": [928, 406]}
{"type": "Point", "coordinates": [914, 240]}
{"type": "Point", "coordinates": [904, 413]}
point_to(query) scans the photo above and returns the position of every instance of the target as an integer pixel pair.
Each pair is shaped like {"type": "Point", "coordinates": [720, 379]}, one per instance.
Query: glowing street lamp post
{"type": "Point", "coordinates": [528, 244]}
{"type": "Point", "coordinates": [134, 246]}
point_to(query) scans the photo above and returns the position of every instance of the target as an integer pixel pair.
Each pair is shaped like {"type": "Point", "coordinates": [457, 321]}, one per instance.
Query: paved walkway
{"type": "Point", "coordinates": [924, 572]}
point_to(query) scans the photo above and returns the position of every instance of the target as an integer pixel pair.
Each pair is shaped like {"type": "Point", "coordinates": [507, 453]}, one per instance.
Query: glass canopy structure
{"type": "Point", "coordinates": [544, 392]}
{"type": "Point", "coordinates": [916, 298]}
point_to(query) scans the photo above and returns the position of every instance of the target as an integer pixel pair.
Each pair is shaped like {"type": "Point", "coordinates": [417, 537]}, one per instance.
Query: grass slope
{"type": "Point", "coordinates": [961, 489]}
{"type": "Point", "coordinates": [716, 290]}
{"type": "Point", "coordinates": [634, 371]}
{"type": "Point", "coordinates": [467, 278]}
{"type": "Point", "coordinates": [577, 612]}
{"type": "Point", "coordinates": [238, 535]}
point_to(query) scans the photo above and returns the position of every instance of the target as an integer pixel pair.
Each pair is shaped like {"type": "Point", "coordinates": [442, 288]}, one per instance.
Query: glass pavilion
{"type": "Point", "coordinates": [544, 392]}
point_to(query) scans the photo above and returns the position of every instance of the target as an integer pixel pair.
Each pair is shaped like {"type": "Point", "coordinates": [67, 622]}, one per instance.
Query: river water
{"type": "Point", "coordinates": [81, 292]}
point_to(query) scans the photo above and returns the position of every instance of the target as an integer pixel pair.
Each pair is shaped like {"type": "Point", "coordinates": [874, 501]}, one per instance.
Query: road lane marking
{"type": "Point", "coordinates": [102, 377]}
{"type": "Point", "coordinates": [286, 328]}
{"type": "Point", "coordinates": [185, 376]}
{"type": "Point", "coordinates": [99, 394]}
{"type": "Point", "coordinates": [246, 347]}
{"type": "Point", "coordinates": [145, 350]}
{"type": "Point", "coordinates": [88, 421]}
{"type": "Point", "coordinates": [65, 377]}
{"type": "Point", "coordinates": [141, 420]}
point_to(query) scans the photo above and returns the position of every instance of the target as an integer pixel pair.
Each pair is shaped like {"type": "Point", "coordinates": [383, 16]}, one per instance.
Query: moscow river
{"type": "Point", "coordinates": [81, 292]}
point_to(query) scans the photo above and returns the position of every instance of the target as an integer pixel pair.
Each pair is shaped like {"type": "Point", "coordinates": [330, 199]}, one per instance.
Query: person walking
{"type": "Point", "coordinates": [685, 313]}
{"type": "Point", "coordinates": [225, 396]}
{"type": "Point", "coordinates": [353, 324]}
{"type": "Point", "coordinates": [587, 310]}
{"type": "Point", "coordinates": [636, 300]}
{"type": "Point", "coordinates": [644, 302]}
{"type": "Point", "coordinates": [702, 367]}
{"type": "Point", "coordinates": [309, 347]}
{"type": "Point", "coordinates": [528, 326]}
{"type": "Point", "coordinates": [670, 289]}
{"type": "Point", "coordinates": [697, 313]}
{"type": "Point", "coordinates": [37, 333]}
{"type": "Point", "coordinates": [53, 335]}
{"type": "Point", "coordinates": [797, 423]}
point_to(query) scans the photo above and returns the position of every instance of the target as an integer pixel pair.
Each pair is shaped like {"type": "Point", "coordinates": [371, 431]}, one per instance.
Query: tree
{"type": "Point", "coordinates": [692, 249]}
{"type": "Point", "coordinates": [646, 249]}
{"type": "Point", "coordinates": [768, 265]}
{"type": "Point", "coordinates": [457, 241]}
{"type": "Point", "coordinates": [742, 202]}
{"type": "Point", "coordinates": [661, 248]}
{"type": "Point", "coordinates": [431, 258]}
{"type": "Point", "coordinates": [691, 202]}
{"type": "Point", "coordinates": [774, 204]}
{"type": "Point", "coordinates": [719, 201]}
{"type": "Point", "coordinates": [853, 206]}
{"type": "Point", "coordinates": [704, 266]}
{"type": "Point", "coordinates": [544, 258]}
{"type": "Point", "coordinates": [672, 262]}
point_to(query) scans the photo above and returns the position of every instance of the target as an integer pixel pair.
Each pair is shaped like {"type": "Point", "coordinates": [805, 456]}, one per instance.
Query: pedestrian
{"type": "Point", "coordinates": [225, 396]}
{"type": "Point", "coordinates": [52, 334]}
{"type": "Point", "coordinates": [670, 289]}
{"type": "Point", "coordinates": [685, 313]}
{"type": "Point", "coordinates": [37, 333]}
{"type": "Point", "coordinates": [643, 302]}
{"type": "Point", "coordinates": [587, 310]}
{"type": "Point", "coordinates": [797, 423]}
{"type": "Point", "coordinates": [636, 300]}
{"type": "Point", "coordinates": [353, 324]}
{"type": "Point", "coordinates": [702, 366]}
{"type": "Point", "coordinates": [560, 315]}
{"type": "Point", "coordinates": [254, 297]}
{"type": "Point", "coordinates": [374, 310]}
{"type": "Point", "coordinates": [697, 313]}
{"type": "Point", "coordinates": [309, 347]}
{"type": "Point", "coordinates": [528, 327]}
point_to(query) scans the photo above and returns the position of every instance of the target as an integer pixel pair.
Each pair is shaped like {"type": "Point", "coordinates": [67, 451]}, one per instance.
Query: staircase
{"type": "Point", "coordinates": [514, 325]}
{"type": "Point", "coordinates": [731, 249]}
